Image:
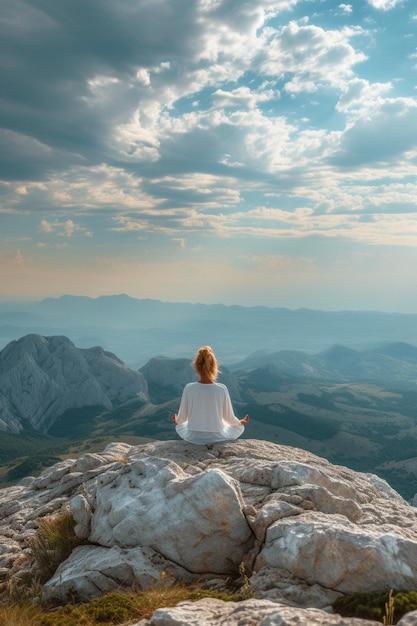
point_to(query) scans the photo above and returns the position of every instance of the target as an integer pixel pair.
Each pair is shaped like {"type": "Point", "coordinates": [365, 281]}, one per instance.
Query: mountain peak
{"type": "Point", "coordinates": [42, 377]}
{"type": "Point", "coordinates": [338, 352]}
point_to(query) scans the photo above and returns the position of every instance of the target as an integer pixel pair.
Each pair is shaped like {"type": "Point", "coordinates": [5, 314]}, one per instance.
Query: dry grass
{"type": "Point", "coordinates": [389, 610]}
{"type": "Point", "coordinates": [112, 609]}
{"type": "Point", "coordinates": [53, 543]}
{"type": "Point", "coordinates": [22, 614]}
{"type": "Point", "coordinates": [146, 603]}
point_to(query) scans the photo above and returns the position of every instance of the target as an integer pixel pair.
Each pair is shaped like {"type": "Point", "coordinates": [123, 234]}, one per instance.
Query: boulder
{"type": "Point", "coordinates": [195, 521]}
{"type": "Point", "coordinates": [333, 552]}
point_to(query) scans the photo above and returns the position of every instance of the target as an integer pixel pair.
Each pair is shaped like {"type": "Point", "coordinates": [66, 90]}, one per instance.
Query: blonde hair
{"type": "Point", "coordinates": [205, 363]}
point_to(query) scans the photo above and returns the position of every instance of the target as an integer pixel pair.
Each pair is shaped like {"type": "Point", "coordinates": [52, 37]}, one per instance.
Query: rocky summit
{"type": "Point", "coordinates": [299, 531]}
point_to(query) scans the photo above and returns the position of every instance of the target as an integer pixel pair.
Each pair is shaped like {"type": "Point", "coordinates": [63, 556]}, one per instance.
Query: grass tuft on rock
{"type": "Point", "coordinates": [53, 542]}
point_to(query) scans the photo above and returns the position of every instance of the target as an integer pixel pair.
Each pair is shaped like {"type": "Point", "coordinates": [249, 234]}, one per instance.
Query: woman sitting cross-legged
{"type": "Point", "coordinates": [206, 413]}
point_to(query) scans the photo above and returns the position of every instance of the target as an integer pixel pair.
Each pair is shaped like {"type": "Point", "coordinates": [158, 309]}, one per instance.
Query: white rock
{"type": "Point", "coordinates": [195, 521]}
{"type": "Point", "coordinates": [281, 586]}
{"type": "Point", "coordinates": [339, 555]}
{"type": "Point", "coordinates": [410, 619]}
{"type": "Point", "coordinates": [211, 612]}
{"type": "Point", "coordinates": [52, 474]}
{"type": "Point", "coordinates": [95, 570]}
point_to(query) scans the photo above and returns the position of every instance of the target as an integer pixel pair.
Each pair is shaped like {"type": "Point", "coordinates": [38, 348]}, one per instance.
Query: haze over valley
{"type": "Point", "coordinates": [139, 329]}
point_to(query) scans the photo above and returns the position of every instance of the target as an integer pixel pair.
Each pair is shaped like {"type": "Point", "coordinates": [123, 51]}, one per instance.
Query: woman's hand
{"type": "Point", "coordinates": [245, 420]}
{"type": "Point", "coordinates": [174, 419]}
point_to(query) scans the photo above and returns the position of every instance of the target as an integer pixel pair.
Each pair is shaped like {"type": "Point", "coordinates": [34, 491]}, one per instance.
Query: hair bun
{"type": "Point", "coordinates": [205, 362]}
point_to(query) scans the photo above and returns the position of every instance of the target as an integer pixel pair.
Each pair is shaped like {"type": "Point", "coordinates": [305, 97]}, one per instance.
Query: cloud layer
{"type": "Point", "coordinates": [166, 138]}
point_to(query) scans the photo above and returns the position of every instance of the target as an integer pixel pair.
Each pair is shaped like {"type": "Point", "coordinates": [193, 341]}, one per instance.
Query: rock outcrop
{"type": "Point", "coordinates": [303, 530]}
{"type": "Point", "coordinates": [210, 612]}
{"type": "Point", "coordinates": [42, 377]}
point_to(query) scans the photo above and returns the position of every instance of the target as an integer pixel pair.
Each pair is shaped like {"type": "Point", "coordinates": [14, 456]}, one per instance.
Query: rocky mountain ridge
{"type": "Point", "coordinates": [42, 377]}
{"type": "Point", "coordinates": [393, 363]}
{"type": "Point", "coordinates": [306, 531]}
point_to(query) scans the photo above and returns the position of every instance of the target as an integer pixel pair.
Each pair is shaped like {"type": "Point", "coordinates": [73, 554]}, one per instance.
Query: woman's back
{"type": "Point", "coordinates": [205, 406]}
{"type": "Point", "coordinates": [206, 413]}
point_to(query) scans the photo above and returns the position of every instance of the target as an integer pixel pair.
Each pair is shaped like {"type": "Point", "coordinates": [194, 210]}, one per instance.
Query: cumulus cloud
{"type": "Point", "coordinates": [314, 55]}
{"type": "Point", "coordinates": [384, 5]}
{"type": "Point", "coordinates": [346, 8]}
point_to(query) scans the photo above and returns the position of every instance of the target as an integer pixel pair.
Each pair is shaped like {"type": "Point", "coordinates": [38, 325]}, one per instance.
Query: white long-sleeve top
{"type": "Point", "coordinates": [206, 414]}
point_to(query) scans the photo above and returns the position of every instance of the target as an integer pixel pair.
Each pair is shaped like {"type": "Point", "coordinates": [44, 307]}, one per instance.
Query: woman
{"type": "Point", "coordinates": [206, 413]}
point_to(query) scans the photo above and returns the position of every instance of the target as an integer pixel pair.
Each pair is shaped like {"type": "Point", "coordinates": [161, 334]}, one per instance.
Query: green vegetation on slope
{"type": "Point", "coordinates": [317, 428]}
{"type": "Point", "coordinates": [375, 606]}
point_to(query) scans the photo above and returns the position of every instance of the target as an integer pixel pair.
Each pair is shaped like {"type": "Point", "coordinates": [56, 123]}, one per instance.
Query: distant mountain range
{"type": "Point", "coordinates": [140, 329]}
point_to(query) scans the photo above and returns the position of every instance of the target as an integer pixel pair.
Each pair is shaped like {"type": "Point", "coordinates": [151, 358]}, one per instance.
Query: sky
{"type": "Point", "coordinates": [252, 152]}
